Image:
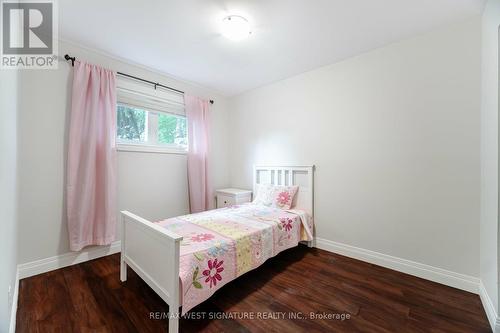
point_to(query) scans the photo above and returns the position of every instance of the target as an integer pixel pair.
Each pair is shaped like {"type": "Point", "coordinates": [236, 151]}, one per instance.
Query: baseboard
{"type": "Point", "coordinates": [449, 278]}
{"type": "Point", "coordinates": [439, 275]}
{"type": "Point", "coordinates": [13, 309]}
{"type": "Point", "coordinates": [67, 259]}
{"type": "Point", "coordinates": [490, 310]}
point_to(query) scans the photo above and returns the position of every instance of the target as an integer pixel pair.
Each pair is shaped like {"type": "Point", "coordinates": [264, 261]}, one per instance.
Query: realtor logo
{"type": "Point", "coordinates": [29, 34]}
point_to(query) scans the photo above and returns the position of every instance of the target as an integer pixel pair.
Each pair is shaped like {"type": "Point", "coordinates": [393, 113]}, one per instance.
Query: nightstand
{"type": "Point", "coordinates": [232, 196]}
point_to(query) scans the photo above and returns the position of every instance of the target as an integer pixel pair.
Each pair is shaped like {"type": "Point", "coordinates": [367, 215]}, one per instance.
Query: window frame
{"type": "Point", "coordinates": [151, 145]}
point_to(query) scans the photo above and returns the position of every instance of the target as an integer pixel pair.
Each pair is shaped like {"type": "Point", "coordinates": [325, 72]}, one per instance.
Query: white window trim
{"type": "Point", "coordinates": [166, 97]}
{"type": "Point", "coordinates": [145, 148]}
{"type": "Point", "coordinates": [152, 146]}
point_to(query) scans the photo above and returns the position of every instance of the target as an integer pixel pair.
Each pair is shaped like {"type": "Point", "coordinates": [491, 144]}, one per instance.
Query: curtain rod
{"type": "Point", "coordinates": [155, 84]}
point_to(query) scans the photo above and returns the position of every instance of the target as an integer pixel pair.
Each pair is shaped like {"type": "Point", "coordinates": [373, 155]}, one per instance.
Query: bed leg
{"type": "Point", "coordinates": [123, 270]}
{"type": "Point", "coordinates": [173, 319]}
{"type": "Point", "coordinates": [123, 264]}
{"type": "Point", "coordinates": [173, 325]}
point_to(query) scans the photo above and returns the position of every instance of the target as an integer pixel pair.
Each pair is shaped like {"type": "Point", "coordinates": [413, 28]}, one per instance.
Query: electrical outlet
{"type": "Point", "coordinates": [9, 295]}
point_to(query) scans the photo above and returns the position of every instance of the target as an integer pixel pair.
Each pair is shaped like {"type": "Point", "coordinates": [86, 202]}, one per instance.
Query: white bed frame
{"type": "Point", "coordinates": [153, 252]}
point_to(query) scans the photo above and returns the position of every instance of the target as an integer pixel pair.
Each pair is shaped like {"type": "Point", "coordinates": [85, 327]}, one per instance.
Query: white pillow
{"type": "Point", "coordinates": [263, 196]}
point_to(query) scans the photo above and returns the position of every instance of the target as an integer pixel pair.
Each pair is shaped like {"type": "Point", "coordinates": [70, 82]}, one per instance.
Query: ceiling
{"type": "Point", "coordinates": [182, 38]}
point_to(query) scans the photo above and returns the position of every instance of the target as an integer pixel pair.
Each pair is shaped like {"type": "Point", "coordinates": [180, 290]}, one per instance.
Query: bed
{"type": "Point", "coordinates": [186, 259]}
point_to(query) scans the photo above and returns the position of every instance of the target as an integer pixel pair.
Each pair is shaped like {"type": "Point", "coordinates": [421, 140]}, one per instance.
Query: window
{"type": "Point", "coordinates": [132, 124]}
{"type": "Point", "coordinates": [141, 127]}
{"type": "Point", "coordinates": [172, 130]}
{"type": "Point", "coordinates": [151, 121]}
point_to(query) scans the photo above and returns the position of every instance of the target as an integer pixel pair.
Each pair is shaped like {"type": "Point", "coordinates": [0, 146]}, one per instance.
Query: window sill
{"type": "Point", "coordinates": [129, 147]}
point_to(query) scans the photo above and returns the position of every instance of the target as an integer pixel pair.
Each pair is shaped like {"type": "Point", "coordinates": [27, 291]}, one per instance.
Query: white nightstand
{"type": "Point", "coordinates": [232, 196]}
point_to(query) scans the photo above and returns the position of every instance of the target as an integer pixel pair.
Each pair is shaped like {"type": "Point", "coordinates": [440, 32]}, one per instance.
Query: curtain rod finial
{"type": "Point", "coordinates": [67, 57]}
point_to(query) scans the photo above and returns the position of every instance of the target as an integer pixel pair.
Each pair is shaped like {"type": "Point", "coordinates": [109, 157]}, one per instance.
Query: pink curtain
{"type": "Point", "coordinates": [92, 165]}
{"type": "Point", "coordinates": [198, 118]}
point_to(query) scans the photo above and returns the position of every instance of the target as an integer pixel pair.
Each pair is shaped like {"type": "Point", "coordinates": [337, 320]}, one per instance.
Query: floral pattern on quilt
{"type": "Point", "coordinates": [220, 245]}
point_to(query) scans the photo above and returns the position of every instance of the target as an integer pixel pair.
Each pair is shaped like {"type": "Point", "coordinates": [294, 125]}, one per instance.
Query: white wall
{"type": "Point", "coordinates": [152, 185]}
{"type": "Point", "coordinates": [489, 151]}
{"type": "Point", "coordinates": [8, 192]}
{"type": "Point", "coordinates": [394, 134]}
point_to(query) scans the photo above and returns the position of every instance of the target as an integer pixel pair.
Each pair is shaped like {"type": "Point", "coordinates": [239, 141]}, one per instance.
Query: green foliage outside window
{"type": "Point", "coordinates": [172, 129]}
{"type": "Point", "coordinates": [131, 123]}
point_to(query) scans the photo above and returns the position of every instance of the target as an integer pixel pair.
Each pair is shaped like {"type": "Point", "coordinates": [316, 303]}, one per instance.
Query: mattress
{"type": "Point", "coordinates": [220, 245]}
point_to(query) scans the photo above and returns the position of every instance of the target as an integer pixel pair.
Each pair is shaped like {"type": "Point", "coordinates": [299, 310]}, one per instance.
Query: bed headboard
{"type": "Point", "coordinates": [289, 175]}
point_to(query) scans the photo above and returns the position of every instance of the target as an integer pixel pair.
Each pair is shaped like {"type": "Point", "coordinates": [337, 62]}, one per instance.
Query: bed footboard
{"type": "Point", "coordinates": [153, 253]}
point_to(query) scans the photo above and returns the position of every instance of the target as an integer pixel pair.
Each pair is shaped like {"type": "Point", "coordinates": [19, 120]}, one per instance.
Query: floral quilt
{"type": "Point", "coordinates": [220, 245]}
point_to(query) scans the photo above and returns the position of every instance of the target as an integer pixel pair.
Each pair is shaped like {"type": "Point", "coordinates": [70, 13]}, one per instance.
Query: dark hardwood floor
{"type": "Point", "coordinates": [90, 298]}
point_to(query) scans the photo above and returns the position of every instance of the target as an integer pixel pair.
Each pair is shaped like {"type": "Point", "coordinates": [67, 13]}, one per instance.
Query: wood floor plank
{"type": "Point", "coordinates": [109, 307]}
{"type": "Point", "coordinates": [90, 298]}
{"type": "Point", "coordinates": [82, 298]}
{"type": "Point", "coordinates": [57, 311]}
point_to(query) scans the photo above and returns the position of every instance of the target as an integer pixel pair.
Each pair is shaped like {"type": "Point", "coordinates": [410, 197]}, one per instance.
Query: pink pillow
{"type": "Point", "coordinates": [277, 196]}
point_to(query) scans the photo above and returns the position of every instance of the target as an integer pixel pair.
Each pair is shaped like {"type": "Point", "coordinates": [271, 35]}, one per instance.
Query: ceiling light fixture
{"type": "Point", "coordinates": [235, 27]}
